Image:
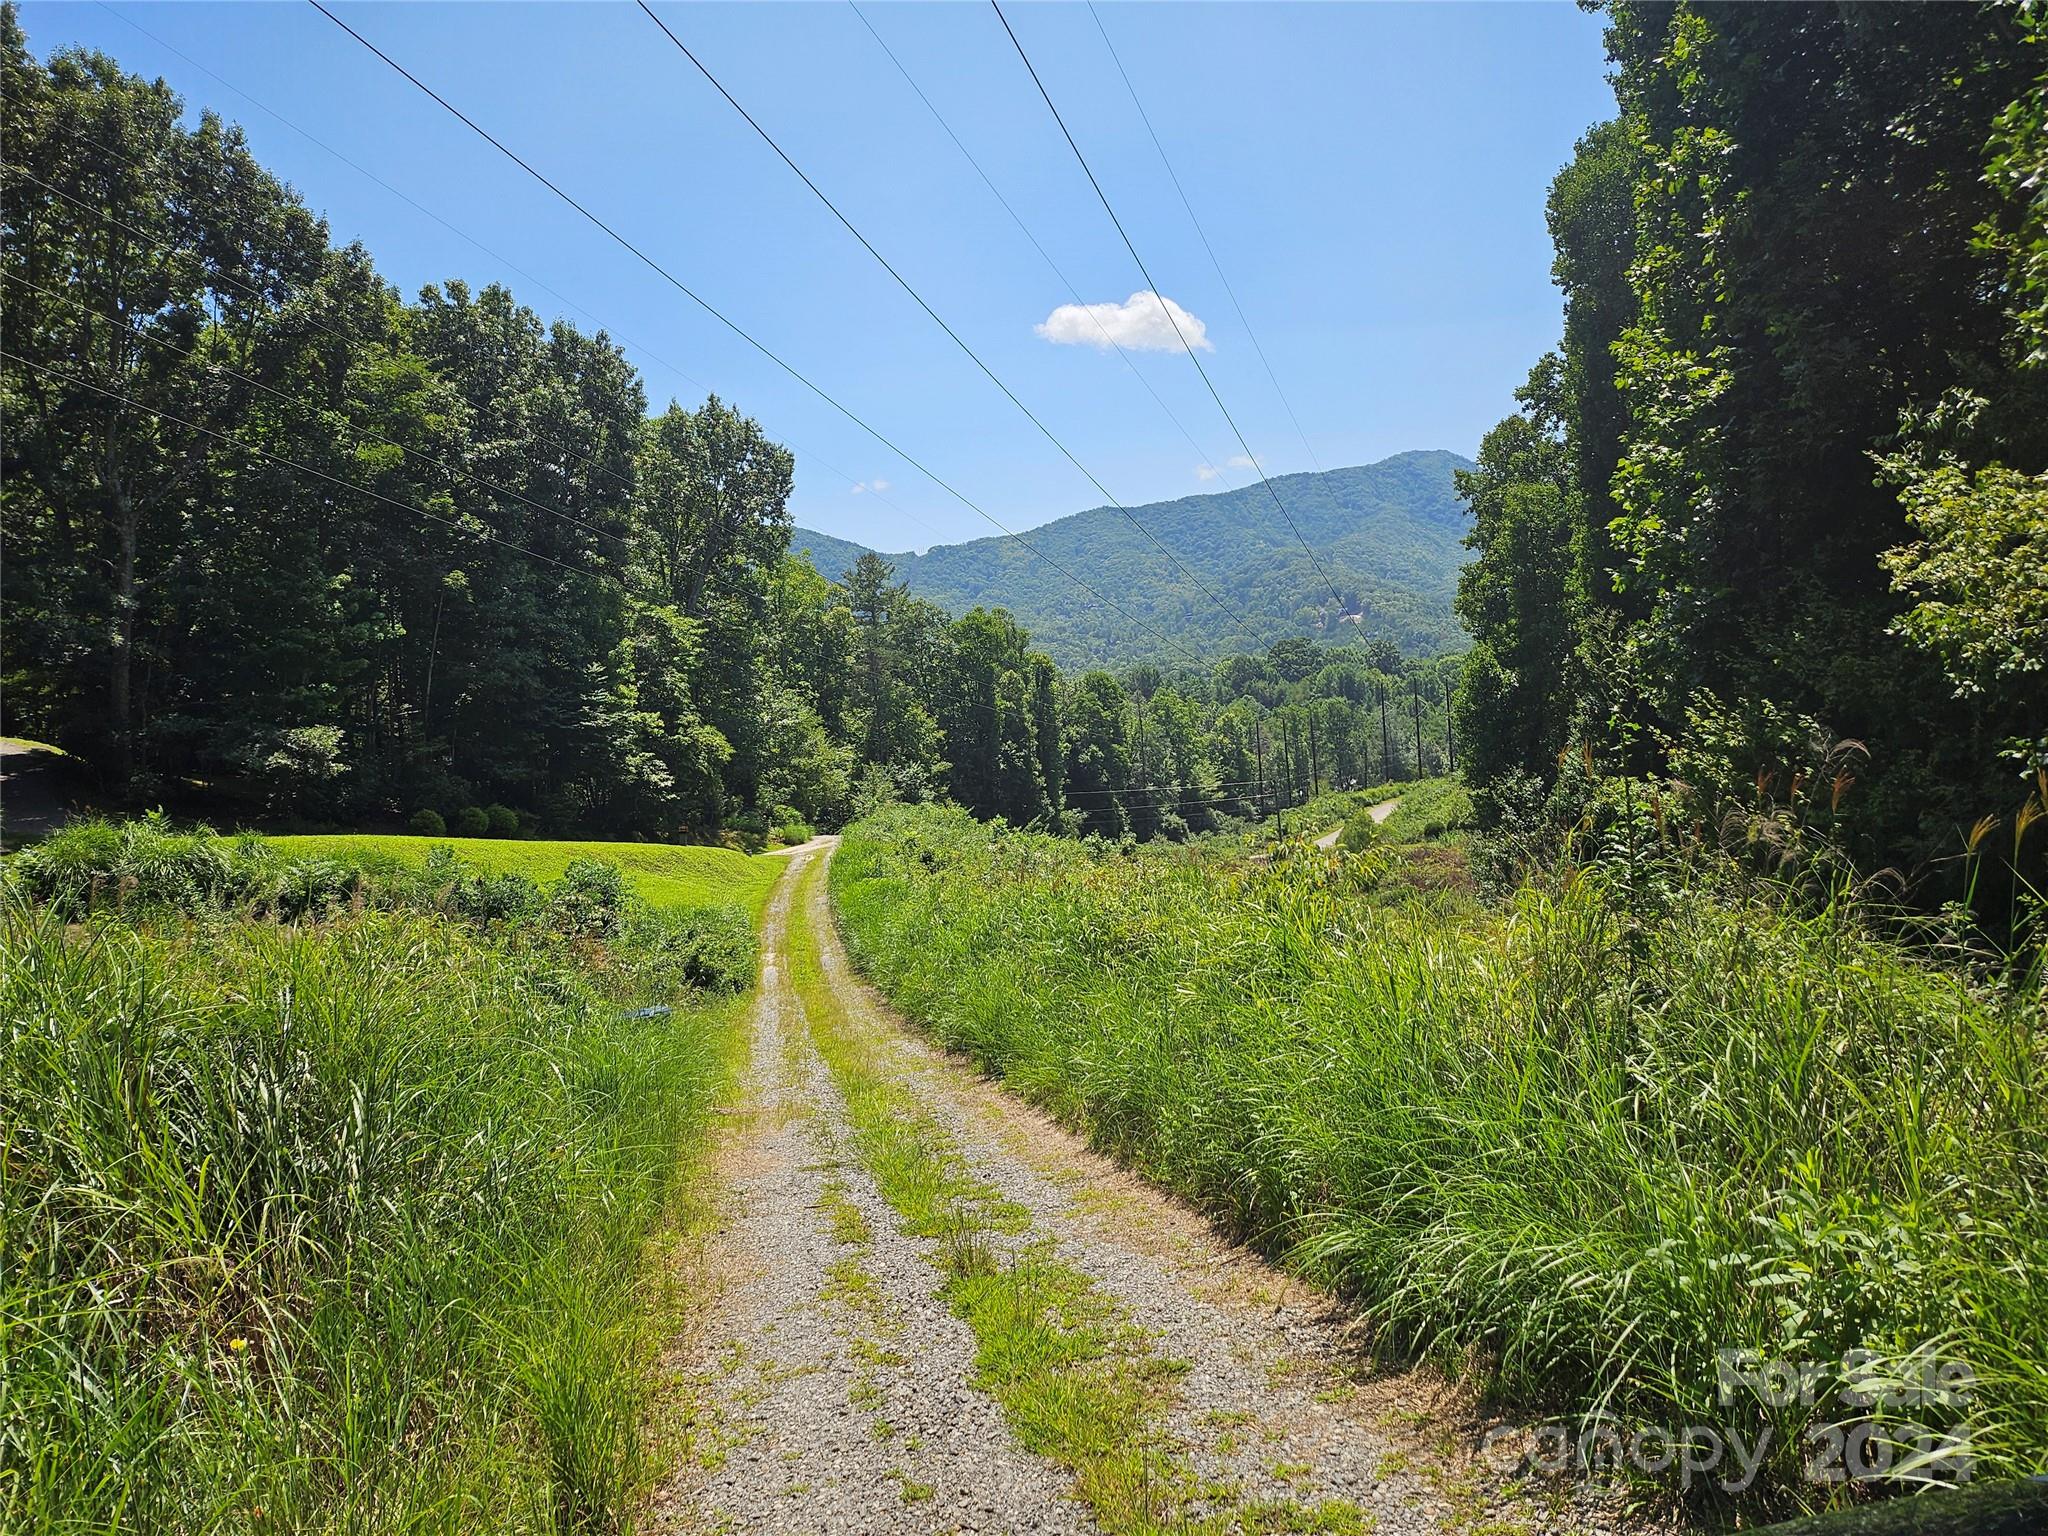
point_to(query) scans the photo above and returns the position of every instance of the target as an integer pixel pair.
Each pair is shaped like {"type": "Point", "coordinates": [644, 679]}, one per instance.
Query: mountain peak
{"type": "Point", "coordinates": [1390, 534]}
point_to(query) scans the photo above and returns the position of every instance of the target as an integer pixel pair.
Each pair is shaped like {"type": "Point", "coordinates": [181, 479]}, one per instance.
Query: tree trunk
{"type": "Point", "coordinates": [121, 672]}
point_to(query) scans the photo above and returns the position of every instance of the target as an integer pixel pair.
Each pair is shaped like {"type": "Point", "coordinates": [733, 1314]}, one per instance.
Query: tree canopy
{"type": "Point", "coordinates": [1780, 485]}
{"type": "Point", "coordinates": [288, 543]}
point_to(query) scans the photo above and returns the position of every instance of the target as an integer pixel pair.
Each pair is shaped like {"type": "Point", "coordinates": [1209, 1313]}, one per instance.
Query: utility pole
{"type": "Point", "coordinates": [1415, 698]}
{"type": "Point", "coordinates": [1313, 754]}
{"type": "Point", "coordinates": [1144, 794]}
{"type": "Point", "coordinates": [1386, 738]}
{"type": "Point", "coordinates": [1450, 743]}
{"type": "Point", "coordinates": [1259, 736]}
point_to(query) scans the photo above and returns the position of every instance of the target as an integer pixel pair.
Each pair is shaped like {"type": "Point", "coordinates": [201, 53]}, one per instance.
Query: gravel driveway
{"type": "Point", "coordinates": [833, 1387]}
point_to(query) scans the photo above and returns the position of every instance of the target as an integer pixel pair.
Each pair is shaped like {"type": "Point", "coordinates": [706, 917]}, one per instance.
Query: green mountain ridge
{"type": "Point", "coordinates": [1389, 534]}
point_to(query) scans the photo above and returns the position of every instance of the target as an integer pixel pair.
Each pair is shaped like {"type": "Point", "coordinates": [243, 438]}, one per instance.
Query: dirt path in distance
{"type": "Point", "coordinates": [1380, 813]}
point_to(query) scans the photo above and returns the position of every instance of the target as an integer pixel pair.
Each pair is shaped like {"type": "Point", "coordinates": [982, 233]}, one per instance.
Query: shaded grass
{"type": "Point", "coordinates": [332, 1228]}
{"type": "Point", "coordinates": [663, 875]}
{"type": "Point", "coordinates": [1572, 1147]}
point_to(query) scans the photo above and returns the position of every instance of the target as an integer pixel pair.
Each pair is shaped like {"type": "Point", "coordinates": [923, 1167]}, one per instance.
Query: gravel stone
{"type": "Point", "coordinates": [839, 1412]}
{"type": "Point", "coordinates": [849, 1407]}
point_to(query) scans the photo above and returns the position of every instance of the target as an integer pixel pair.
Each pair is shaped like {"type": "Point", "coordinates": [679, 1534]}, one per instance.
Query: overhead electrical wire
{"type": "Point", "coordinates": [704, 304]}
{"type": "Point", "coordinates": [1166, 308]}
{"type": "Point", "coordinates": [904, 283]}
{"type": "Point", "coordinates": [307, 469]}
{"type": "Point", "coordinates": [1203, 234]}
{"type": "Point", "coordinates": [803, 453]}
{"type": "Point", "coordinates": [1017, 219]}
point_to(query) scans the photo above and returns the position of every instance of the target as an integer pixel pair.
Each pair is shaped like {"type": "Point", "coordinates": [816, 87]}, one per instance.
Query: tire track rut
{"type": "Point", "coordinates": [834, 1388]}
{"type": "Point", "coordinates": [831, 1390]}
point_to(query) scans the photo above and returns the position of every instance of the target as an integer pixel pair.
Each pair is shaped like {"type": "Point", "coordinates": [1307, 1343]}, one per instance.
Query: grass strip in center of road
{"type": "Point", "coordinates": [1076, 1379]}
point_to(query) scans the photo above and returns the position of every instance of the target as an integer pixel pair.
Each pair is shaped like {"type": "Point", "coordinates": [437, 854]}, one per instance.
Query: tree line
{"type": "Point", "coordinates": [280, 537]}
{"type": "Point", "coordinates": [1772, 519]}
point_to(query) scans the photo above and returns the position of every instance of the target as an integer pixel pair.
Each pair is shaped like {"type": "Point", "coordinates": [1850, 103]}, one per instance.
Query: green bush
{"type": "Point", "coordinates": [501, 898]}
{"type": "Point", "coordinates": [751, 828]}
{"type": "Point", "coordinates": [472, 821]}
{"type": "Point", "coordinates": [145, 865]}
{"type": "Point", "coordinates": [709, 949]}
{"type": "Point", "coordinates": [1360, 831]}
{"type": "Point", "coordinates": [588, 901]}
{"type": "Point", "coordinates": [427, 823]}
{"type": "Point", "coordinates": [501, 820]}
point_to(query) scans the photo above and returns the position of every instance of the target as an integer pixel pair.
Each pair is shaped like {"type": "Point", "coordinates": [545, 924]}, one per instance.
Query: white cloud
{"type": "Point", "coordinates": [877, 485]}
{"type": "Point", "coordinates": [1235, 461]}
{"type": "Point", "coordinates": [1137, 325]}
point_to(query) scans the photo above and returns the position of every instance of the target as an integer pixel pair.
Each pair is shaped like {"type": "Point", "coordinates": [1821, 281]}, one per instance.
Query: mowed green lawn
{"type": "Point", "coordinates": [662, 875]}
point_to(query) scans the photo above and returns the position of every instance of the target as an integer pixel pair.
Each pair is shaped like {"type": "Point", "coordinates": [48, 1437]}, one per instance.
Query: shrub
{"type": "Point", "coordinates": [426, 823]}
{"type": "Point", "coordinates": [1360, 831]}
{"type": "Point", "coordinates": [710, 949]}
{"type": "Point", "coordinates": [471, 821]}
{"type": "Point", "coordinates": [502, 820]}
{"type": "Point", "coordinates": [751, 828]}
{"type": "Point", "coordinates": [495, 898]}
{"type": "Point", "coordinates": [589, 900]}
{"type": "Point", "coordinates": [144, 866]}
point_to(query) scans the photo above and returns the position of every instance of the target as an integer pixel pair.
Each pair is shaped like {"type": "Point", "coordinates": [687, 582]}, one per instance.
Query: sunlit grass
{"type": "Point", "coordinates": [337, 1227]}
{"type": "Point", "coordinates": [1573, 1146]}
{"type": "Point", "coordinates": [660, 874]}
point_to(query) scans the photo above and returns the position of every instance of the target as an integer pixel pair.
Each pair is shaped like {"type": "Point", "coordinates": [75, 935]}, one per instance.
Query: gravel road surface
{"type": "Point", "coordinates": [833, 1389]}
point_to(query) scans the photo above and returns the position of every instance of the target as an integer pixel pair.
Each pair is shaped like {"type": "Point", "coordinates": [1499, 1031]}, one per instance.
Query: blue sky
{"type": "Point", "coordinates": [1372, 178]}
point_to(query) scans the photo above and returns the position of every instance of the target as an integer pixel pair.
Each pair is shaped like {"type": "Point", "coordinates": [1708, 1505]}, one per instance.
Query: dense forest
{"type": "Point", "coordinates": [1769, 524]}
{"type": "Point", "coordinates": [285, 544]}
{"type": "Point", "coordinates": [1772, 521]}
{"type": "Point", "coordinates": [1389, 534]}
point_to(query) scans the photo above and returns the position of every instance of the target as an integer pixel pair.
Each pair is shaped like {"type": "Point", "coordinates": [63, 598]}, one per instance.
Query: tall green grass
{"type": "Point", "coordinates": [334, 1227]}
{"type": "Point", "coordinates": [1572, 1147]}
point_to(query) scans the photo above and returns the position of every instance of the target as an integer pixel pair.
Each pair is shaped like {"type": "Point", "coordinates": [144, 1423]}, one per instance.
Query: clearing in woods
{"type": "Point", "coordinates": [931, 1309]}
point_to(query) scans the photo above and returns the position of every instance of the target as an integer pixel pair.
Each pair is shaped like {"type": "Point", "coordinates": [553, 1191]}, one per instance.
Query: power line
{"type": "Point", "coordinates": [1199, 791]}
{"type": "Point", "coordinates": [1243, 319]}
{"type": "Point", "coordinates": [290, 463]}
{"type": "Point", "coordinates": [704, 304]}
{"type": "Point", "coordinates": [294, 401]}
{"type": "Point", "coordinates": [1166, 308]}
{"type": "Point", "coordinates": [938, 320]}
{"type": "Point", "coordinates": [802, 452]}
{"type": "Point", "coordinates": [1044, 255]}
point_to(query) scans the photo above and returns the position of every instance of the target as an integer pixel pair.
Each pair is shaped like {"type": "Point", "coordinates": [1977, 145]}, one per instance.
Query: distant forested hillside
{"type": "Point", "coordinates": [1389, 535]}
{"type": "Point", "coordinates": [287, 544]}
